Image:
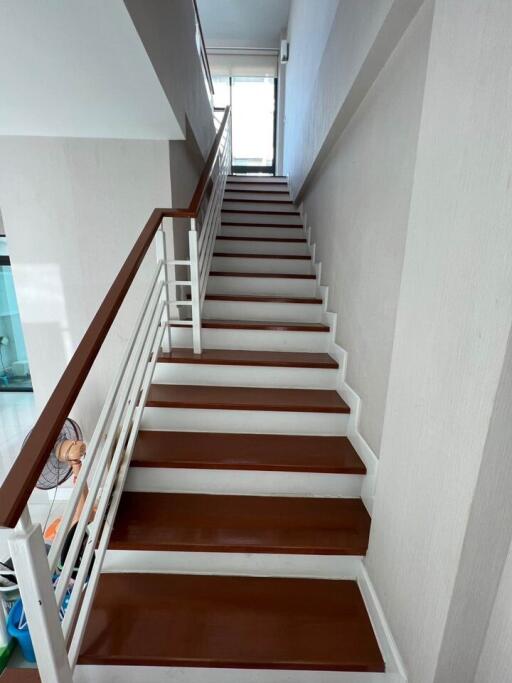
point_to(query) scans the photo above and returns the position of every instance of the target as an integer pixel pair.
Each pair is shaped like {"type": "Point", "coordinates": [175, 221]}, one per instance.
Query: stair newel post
{"type": "Point", "coordinates": [164, 275]}
{"type": "Point", "coordinates": [30, 561]}
{"type": "Point", "coordinates": [195, 287]}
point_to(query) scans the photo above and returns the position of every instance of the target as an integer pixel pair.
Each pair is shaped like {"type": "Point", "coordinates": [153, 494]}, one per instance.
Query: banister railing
{"type": "Point", "coordinates": [202, 51]}
{"type": "Point", "coordinates": [43, 585]}
{"type": "Point", "coordinates": [24, 473]}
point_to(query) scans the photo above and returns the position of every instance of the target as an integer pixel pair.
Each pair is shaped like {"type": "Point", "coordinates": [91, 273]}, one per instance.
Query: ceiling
{"type": "Point", "coordinates": [78, 69]}
{"type": "Point", "coordinates": [243, 23]}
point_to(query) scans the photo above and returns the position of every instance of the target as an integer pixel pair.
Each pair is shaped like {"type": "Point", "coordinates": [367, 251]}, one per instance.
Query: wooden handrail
{"type": "Point", "coordinates": [24, 473]}
{"type": "Point", "coordinates": [204, 178]}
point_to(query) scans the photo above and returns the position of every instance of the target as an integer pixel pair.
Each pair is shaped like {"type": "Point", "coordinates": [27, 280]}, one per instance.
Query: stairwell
{"type": "Point", "coordinates": [241, 529]}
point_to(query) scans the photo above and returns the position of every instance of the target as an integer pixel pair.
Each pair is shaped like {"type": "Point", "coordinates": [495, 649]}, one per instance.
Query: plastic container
{"type": "Point", "coordinates": [5, 654]}
{"type": "Point", "coordinates": [21, 635]}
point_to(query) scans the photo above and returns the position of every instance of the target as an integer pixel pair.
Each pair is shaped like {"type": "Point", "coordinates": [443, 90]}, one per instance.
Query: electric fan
{"type": "Point", "coordinates": [65, 457]}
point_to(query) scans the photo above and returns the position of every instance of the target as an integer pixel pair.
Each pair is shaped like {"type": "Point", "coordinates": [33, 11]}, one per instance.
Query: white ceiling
{"type": "Point", "coordinates": [243, 23]}
{"type": "Point", "coordinates": [77, 68]}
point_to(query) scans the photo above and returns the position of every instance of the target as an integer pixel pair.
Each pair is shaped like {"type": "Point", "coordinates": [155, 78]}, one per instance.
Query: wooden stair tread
{"type": "Point", "coordinates": [257, 200]}
{"type": "Point", "coordinates": [287, 240]}
{"type": "Point", "coordinates": [258, 325]}
{"type": "Point", "coordinates": [278, 359]}
{"type": "Point", "coordinates": [245, 398]}
{"type": "Point", "coordinates": [232, 189]}
{"type": "Point", "coordinates": [192, 522]}
{"type": "Point", "coordinates": [229, 621]}
{"type": "Point", "coordinates": [265, 299]}
{"type": "Point", "coordinates": [263, 212]}
{"type": "Point", "coordinates": [250, 176]}
{"type": "Point", "coordinates": [293, 257]}
{"type": "Point", "coordinates": [291, 276]}
{"type": "Point", "coordinates": [259, 452]}
{"type": "Point", "coordinates": [261, 225]}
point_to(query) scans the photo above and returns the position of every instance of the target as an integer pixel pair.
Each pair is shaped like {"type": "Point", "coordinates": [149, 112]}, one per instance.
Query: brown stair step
{"type": "Point", "coordinates": [260, 225]}
{"type": "Point", "coordinates": [287, 240]}
{"type": "Point", "coordinates": [232, 189]}
{"type": "Point", "coordinates": [245, 398]}
{"type": "Point", "coordinates": [258, 325]}
{"type": "Point", "coordinates": [262, 298]}
{"type": "Point", "coordinates": [278, 359]}
{"type": "Point", "coordinates": [229, 621]}
{"type": "Point", "coordinates": [293, 257]}
{"type": "Point", "coordinates": [250, 176]}
{"type": "Point", "coordinates": [251, 179]}
{"type": "Point", "coordinates": [264, 212]}
{"type": "Point", "coordinates": [259, 452]}
{"type": "Point", "coordinates": [257, 200]}
{"type": "Point", "coordinates": [290, 276]}
{"type": "Point", "coordinates": [191, 522]}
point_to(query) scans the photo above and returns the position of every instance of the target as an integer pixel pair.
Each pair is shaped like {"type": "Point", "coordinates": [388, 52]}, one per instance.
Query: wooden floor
{"type": "Point", "coordinates": [257, 524]}
{"type": "Point", "coordinates": [259, 452]}
{"type": "Point", "coordinates": [229, 621]}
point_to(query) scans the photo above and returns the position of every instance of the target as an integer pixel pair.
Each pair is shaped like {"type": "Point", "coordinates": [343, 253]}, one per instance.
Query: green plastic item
{"type": "Point", "coordinates": [5, 653]}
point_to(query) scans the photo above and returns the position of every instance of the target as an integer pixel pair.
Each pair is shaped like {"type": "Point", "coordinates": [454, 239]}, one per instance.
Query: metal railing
{"type": "Point", "coordinates": [48, 590]}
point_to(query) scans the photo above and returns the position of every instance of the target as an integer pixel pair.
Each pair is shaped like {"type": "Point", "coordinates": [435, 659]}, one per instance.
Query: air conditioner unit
{"type": "Point", "coordinates": [285, 46]}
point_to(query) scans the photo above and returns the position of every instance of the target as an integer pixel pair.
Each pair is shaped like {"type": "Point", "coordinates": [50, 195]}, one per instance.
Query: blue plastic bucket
{"type": "Point", "coordinates": [21, 635]}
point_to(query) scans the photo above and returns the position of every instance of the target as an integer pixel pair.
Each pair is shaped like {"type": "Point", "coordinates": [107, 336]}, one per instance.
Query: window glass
{"type": "Point", "coordinates": [253, 101]}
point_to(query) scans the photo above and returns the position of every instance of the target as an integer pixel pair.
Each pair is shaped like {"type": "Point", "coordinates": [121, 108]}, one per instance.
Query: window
{"type": "Point", "coordinates": [253, 102]}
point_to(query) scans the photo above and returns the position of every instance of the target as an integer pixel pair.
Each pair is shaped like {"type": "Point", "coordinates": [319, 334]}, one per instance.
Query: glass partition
{"type": "Point", "coordinates": [14, 368]}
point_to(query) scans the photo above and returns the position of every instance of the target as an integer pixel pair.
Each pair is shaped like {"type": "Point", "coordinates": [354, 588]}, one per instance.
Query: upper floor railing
{"type": "Point", "coordinates": [202, 52]}
{"type": "Point", "coordinates": [57, 599]}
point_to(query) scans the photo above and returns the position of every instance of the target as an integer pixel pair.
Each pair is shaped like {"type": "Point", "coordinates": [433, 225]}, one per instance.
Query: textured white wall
{"type": "Point", "coordinates": [72, 210]}
{"type": "Point", "coordinates": [358, 208]}
{"type": "Point", "coordinates": [309, 25]}
{"type": "Point", "coordinates": [78, 69]}
{"type": "Point", "coordinates": [495, 665]}
{"type": "Point", "coordinates": [168, 32]}
{"type": "Point", "coordinates": [328, 44]}
{"type": "Point", "coordinates": [453, 321]}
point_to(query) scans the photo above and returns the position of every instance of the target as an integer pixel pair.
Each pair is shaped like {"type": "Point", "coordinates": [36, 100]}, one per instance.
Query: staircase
{"type": "Point", "coordinates": [240, 532]}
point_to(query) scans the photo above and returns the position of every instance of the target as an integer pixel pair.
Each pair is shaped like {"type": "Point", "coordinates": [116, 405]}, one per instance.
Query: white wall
{"type": "Point", "coordinates": [168, 32]}
{"type": "Point", "coordinates": [328, 44]}
{"type": "Point", "coordinates": [453, 322]}
{"type": "Point", "coordinates": [58, 63]}
{"type": "Point", "coordinates": [358, 209]}
{"type": "Point", "coordinates": [72, 210]}
{"type": "Point", "coordinates": [309, 25]}
{"type": "Point", "coordinates": [495, 665]}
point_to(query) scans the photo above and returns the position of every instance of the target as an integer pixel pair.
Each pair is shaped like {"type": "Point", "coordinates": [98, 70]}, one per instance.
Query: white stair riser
{"type": "Point", "coordinates": [249, 247]}
{"type": "Point", "coordinates": [282, 207]}
{"type": "Point", "coordinates": [234, 564]}
{"type": "Point", "coordinates": [244, 421]}
{"type": "Point", "coordinates": [168, 674]}
{"type": "Point", "coordinates": [279, 286]}
{"type": "Point", "coordinates": [245, 376]}
{"type": "Point", "coordinates": [261, 265]}
{"type": "Point", "coordinates": [281, 218]}
{"type": "Point", "coordinates": [257, 195]}
{"type": "Point", "coordinates": [238, 230]}
{"type": "Point", "coordinates": [254, 340]}
{"type": "Point", "coordinates": [252, 310]}
{"type": "Point", "coordinates": [244, 482]}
